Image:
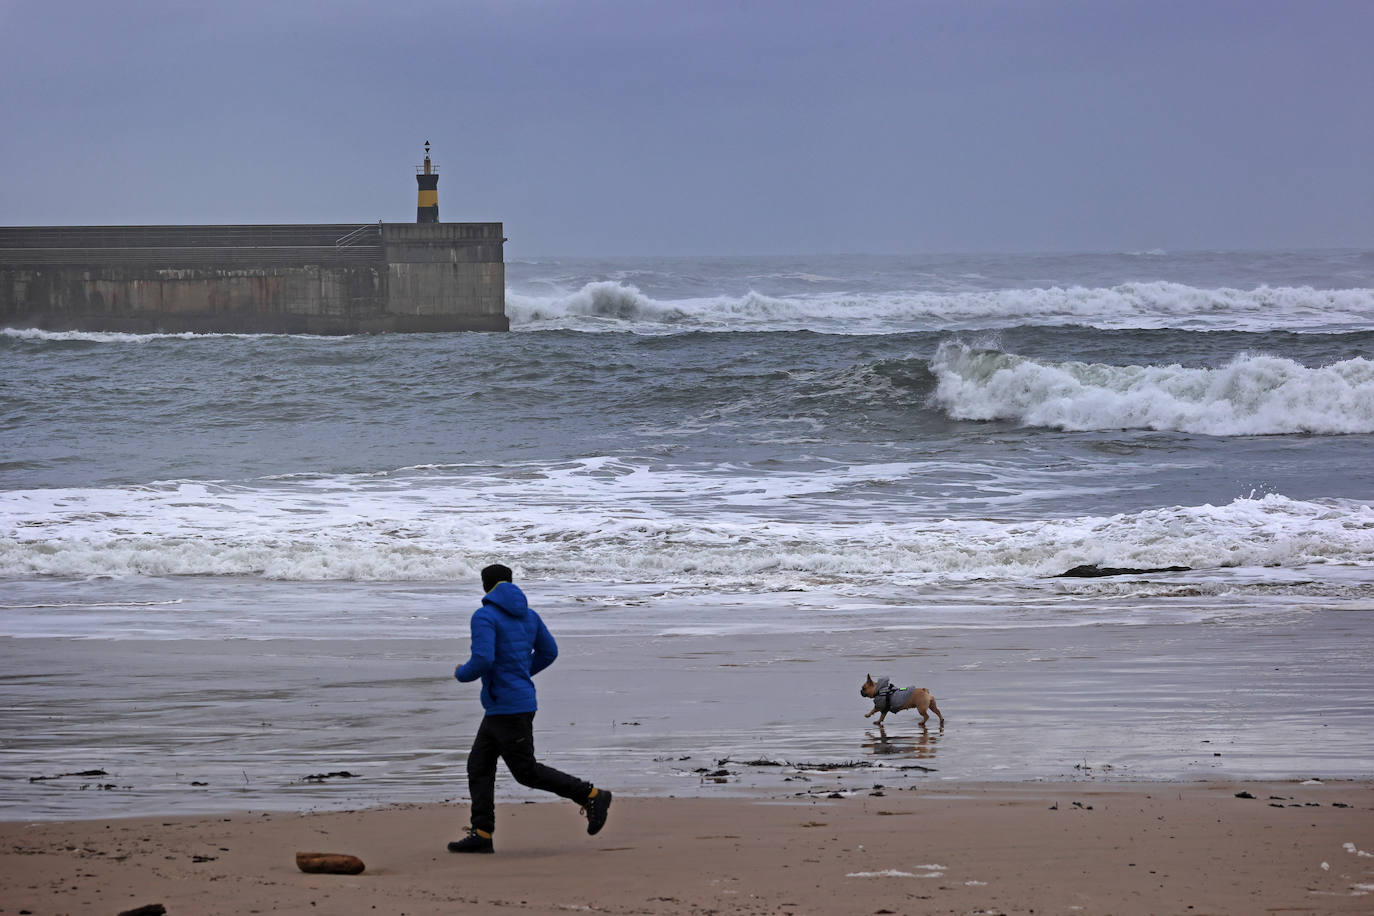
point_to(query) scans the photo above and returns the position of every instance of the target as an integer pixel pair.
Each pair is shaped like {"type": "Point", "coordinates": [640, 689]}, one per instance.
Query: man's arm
{"type": "Point", "coordinates": [545, 649]}
{"type": "Point", "coordinates": [483, 649]}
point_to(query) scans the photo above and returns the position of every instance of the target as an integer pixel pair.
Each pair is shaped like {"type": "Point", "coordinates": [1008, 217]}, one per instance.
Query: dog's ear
{"type": "Point", "coordinates": [870, 678]}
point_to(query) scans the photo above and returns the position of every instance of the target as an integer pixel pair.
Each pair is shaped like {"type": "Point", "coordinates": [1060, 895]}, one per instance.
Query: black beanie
{"type": "Point", "coordinates": [493, 574]}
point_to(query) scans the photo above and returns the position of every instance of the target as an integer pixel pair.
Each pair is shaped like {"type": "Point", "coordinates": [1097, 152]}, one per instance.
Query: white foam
{"type": "Point", "coordinates": [931, 871]}
{"type": "Point", "coordinates": [1251, 395]}
{"type": "Point", "coordinates": [617, 305]}
{"type": "Point", "coordinates": [88, 605]}
{"type": "Point", "coordinates": [616, 520]}
{"type": "Point", "coordinates": [125, 337]}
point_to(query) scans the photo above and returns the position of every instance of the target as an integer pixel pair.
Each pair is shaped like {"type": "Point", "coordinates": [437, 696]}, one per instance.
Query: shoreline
{"type": "Point", "coordinates": [211, 724]}
{"type": "Point", "coordinates": [989, 847]}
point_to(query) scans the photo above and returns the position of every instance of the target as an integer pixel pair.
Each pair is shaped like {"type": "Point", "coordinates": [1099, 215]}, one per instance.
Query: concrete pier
{"type": "Point", "coordinates": [310, 278]}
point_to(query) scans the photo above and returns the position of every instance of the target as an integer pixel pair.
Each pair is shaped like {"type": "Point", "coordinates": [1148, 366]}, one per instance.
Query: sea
{"type": "Point", "coordinates": [235, 567]}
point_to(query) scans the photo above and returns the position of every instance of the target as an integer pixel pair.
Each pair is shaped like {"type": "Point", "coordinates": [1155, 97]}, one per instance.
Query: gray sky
{"type": "Point", "coordinates": [614, 127]}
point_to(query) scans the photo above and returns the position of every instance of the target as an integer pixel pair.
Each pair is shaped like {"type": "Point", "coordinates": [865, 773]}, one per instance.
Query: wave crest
{"type": "Point", "coordinates": [390, 529]}
{"type": "Point", "coordinates": [609, 304]}
{"type": "Point", "coordinates": [603, 300]}
{"type": "Point", "coordinates": [1252, 395]}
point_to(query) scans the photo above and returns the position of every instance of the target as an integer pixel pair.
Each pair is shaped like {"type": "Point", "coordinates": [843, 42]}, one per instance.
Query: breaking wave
{"type": "Point", "coordinates": [101, 337]}
{"type": "Point", "coordinates": [1252, 395]}
{"type": "Point", "coordinates": [625, 529]}
{"type": "Point", "coordinates": [611, 305]}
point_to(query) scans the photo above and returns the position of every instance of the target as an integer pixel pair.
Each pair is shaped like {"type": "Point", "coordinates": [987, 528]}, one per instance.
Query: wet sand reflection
{"type": "Point", "coordinates": [920, 745]}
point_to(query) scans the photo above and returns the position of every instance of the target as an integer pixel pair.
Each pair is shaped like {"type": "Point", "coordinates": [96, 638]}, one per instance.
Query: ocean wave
{"type": "Point", "coordinates": [1252, 395]}
{"type": "Point", "coordinates": [123, 337]}
{"type": "Point", "coordinates": [395, 529]}
{"type": "Point", "coordinates": [611, 305]}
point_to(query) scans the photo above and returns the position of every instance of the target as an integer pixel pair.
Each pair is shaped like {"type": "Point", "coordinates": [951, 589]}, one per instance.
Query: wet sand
{"type": "Point", "coordinates": [972, 848]}
{"type": "Point", "coordinates": [204, 725]}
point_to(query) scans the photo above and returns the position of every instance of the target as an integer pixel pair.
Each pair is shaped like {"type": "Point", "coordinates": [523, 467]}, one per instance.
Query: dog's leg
{"type": "Point", "coordinates": [871, 712]}
{"type": "Point", "coordinates": [935, 709]}
{"type": "Point", "coordinates": [922, 702]}
{"type": "Point", "coordinates": [882, 717]}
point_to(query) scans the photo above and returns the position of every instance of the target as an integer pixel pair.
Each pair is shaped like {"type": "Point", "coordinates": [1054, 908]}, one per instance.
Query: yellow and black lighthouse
{"type": "Point", "coordinates": [427, 204]}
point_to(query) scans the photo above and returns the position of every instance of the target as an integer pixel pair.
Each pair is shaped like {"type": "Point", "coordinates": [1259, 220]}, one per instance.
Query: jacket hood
{"type": "Point", "coordinates": [508, 599]}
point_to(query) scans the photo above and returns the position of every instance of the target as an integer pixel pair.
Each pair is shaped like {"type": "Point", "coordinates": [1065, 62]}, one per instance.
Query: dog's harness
{"type": "Point", "coordinates": [891, 699]}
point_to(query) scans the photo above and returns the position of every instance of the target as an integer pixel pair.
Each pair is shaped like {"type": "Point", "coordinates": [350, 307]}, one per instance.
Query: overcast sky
{"type": "Point", "coordinates": [615, 127]}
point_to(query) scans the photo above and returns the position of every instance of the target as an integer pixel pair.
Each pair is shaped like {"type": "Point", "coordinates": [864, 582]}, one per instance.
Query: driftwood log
{"type": "Point", "coordinates": [329, 863]}
{"type": "Point", "coordinates": [149, 909]}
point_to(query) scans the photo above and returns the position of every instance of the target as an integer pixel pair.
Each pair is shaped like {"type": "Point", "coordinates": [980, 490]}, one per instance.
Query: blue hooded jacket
{"type": "Point", "coordinates": [510, 644]}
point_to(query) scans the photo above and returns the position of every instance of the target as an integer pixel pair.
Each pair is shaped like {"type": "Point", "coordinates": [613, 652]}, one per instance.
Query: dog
{"type": "Point", "coordinates": [887, 698]}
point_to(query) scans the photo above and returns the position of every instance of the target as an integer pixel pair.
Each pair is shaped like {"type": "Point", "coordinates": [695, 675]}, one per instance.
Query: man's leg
{"type": "Point", "coordinates": [517, 749]}
{"type": "Point", "coordinates": [486, 749]}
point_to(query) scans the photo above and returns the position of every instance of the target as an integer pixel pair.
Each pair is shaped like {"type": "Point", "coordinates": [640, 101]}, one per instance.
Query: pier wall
{"type": "Point", "coordinates": [314, 279]}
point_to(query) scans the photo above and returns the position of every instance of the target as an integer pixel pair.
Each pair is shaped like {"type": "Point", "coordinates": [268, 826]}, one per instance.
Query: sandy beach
{"type": "Point", "coordinates": [747, 779]}
{"type": "Point", "coordinates": [983, 848]}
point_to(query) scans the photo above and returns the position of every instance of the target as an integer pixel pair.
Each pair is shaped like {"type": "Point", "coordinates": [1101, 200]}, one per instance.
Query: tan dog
{"type": "Point", "coordinates": [887, 698]}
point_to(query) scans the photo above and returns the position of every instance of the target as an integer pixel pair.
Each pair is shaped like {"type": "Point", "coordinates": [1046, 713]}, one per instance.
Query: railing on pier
{"type": "Point", "coordinates": [369, 235]}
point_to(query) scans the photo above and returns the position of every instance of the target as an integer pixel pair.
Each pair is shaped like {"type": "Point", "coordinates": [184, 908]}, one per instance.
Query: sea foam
{"type": "Point", "coordinates": [600, 524]}
{"type": "Point", "coordinates": [123, 337]}
{"type": "Point", "coordinates": [1251, 395]}
{"type": "Point", "coordinates": [612, 305]}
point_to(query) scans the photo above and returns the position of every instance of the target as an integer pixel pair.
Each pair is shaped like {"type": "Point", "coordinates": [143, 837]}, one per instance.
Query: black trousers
{"type": "Point", "coordinates": [511, 738]}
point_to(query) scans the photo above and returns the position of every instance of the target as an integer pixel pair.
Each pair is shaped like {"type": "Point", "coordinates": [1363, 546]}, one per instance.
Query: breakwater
{"type": "Point", "coordinates": [336, 278]}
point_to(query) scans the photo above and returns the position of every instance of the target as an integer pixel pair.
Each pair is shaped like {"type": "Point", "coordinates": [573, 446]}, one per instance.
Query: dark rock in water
{"type": "Point", "coordinates": [60, 775]}
{"type": "Point", "coordinates": [1093, 571]}
{"type": "Point", "coordinates": [149, 909]}
{"type": "Point", "coordinates": [319, 777]}
{"type": "Point", "coordinates": [1244, 795]}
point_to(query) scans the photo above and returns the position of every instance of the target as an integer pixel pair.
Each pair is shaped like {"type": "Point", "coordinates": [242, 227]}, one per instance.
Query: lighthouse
{"type": "Point", "coordinates": [427, 203]}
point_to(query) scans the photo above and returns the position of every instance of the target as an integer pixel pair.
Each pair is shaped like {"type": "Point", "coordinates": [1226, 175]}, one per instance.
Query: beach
{"type": "Point", "coordinates": [747, 779]}
{"type": "Point", "coordinates": [973, 848]}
